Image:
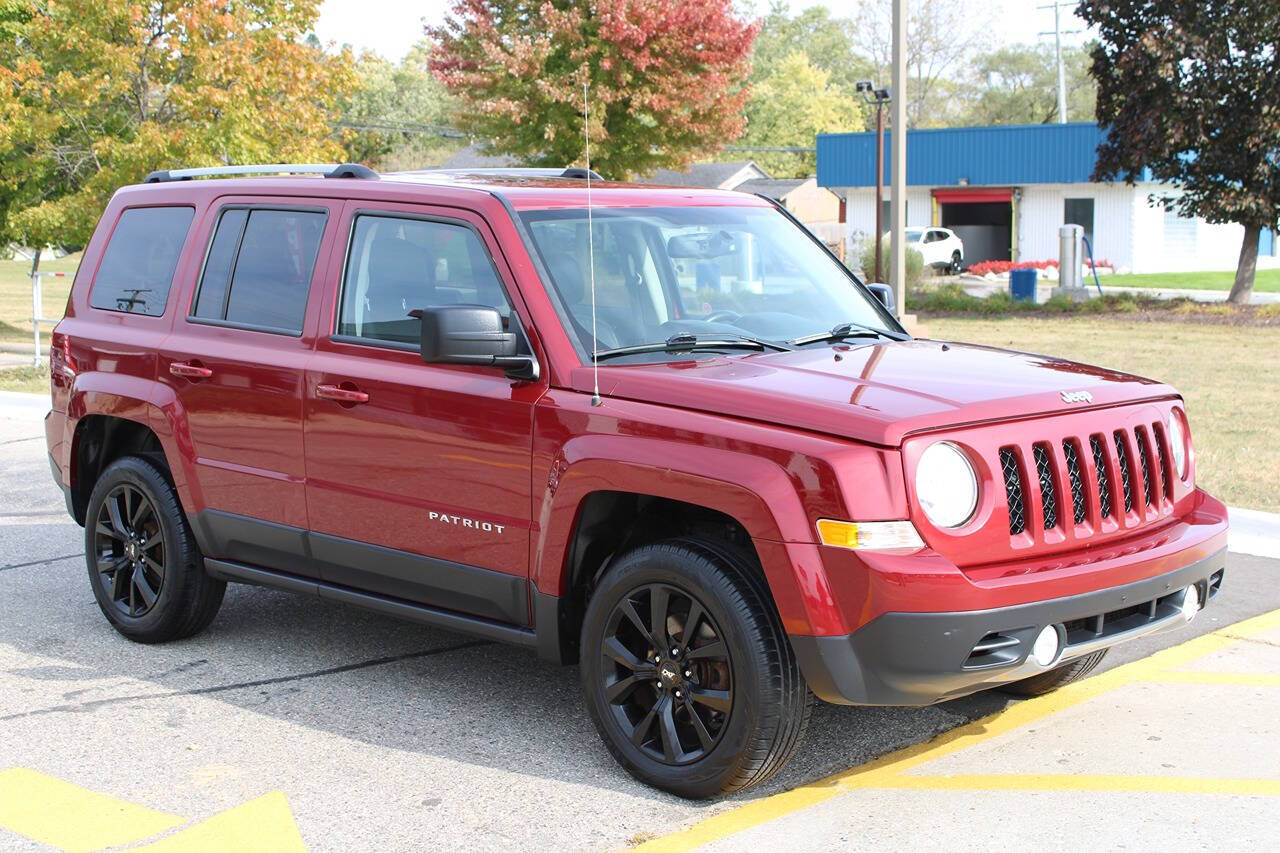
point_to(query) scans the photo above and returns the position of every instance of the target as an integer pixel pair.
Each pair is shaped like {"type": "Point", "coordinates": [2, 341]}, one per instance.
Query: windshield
{"type": "Point", "coordinates": [712, 271]}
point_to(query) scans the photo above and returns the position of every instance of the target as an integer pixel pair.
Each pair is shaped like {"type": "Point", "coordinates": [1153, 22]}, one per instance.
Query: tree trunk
{"type": "Point", "coordinates": [1242, 289]}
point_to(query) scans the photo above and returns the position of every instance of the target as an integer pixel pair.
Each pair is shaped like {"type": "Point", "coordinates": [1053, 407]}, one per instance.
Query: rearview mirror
{"type": "Point", "coordinates": [472, 334]}
{"type": "Point", "coordinates": [702, 246]}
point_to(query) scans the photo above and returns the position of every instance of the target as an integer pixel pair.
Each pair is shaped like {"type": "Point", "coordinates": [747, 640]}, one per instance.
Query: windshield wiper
{"type": "Point", "coordinates": [848, 330]}
{"type": "Point", "coordinates": [687, 342]}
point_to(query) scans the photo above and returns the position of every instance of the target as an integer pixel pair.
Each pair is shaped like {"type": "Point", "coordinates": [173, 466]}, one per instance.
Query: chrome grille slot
{"type": "Point", "coordinates": [1148, 487]}
{"type": "Point", "coordinates": [1071, 455]}
{"type": "Point", "coordinates": [1126, 477]}
{"type": "Point", "coordinates": [1104, 480]}
{"type": "Point", "coordinates": [1048, 498]}
{"type": "Point", "coordinates": [994, 650]}
{"type": "Point", "coordinates": [1013, 491]}
{"type": "Point", "coordinates": [1166, 472]}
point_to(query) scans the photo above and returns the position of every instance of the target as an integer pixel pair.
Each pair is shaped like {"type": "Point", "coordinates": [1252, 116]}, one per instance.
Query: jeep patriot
{"type": "Point", "coordinates": [681, 447]}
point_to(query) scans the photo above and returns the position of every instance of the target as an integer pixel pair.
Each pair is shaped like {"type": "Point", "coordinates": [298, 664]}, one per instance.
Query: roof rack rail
{"type": "Point", "coordinates": [522, 172]}
{"type": "Point", "coordinates": [329, 170]}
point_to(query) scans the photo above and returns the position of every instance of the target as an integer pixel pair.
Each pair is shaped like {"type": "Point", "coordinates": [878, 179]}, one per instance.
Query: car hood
{"type": "Point", "coordinates": [875, 392]}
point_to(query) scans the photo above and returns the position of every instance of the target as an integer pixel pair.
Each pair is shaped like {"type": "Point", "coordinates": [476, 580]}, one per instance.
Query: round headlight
{"type": "Point", "coordinates": [946, 485]}
{"type": "Point", "coordinates": [1178, 445]}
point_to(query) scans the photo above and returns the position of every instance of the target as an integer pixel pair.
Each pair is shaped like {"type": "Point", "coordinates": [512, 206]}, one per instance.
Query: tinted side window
{"type": "Point", "coordinates": [137, 267]}
{"type": "Point", "coordinates": [397, 265]}
{"type": "Point", "coordinates": [258, 272]}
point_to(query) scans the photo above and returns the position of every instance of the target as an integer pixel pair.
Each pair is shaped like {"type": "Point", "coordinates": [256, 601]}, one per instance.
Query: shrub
{"type": "Point", "coordinates": [915, 262]}
{"type": "Point", "coordinates": [1001, 267]}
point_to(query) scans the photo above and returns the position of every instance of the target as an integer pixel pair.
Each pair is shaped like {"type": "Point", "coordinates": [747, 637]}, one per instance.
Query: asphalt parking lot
{"type": "Point", "coordinates": [295, 723]}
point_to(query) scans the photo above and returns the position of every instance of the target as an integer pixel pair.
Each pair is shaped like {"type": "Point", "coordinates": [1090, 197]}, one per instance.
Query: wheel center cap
{"type": "Point", "coordinates": [668, 673]}
{"type": "Point", "coordinates": [131, 550]}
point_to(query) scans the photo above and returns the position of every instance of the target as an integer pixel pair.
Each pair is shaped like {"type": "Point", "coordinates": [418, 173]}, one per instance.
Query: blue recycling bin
{"type": "Point", "coordinates": [1022, 285]}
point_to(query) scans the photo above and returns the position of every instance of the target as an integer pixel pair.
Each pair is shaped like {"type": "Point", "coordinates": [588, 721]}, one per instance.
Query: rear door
{"type": "Point", "coordinates": [418, 475]}
{"type": "Point", "coordinates": [237, 362]}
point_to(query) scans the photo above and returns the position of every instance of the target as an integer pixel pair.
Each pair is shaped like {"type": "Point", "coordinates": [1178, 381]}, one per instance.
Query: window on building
{"type": "Point", "coordinates": [137, 267]}
{"type": "Point", "coordinates": [1079, 211]}
{"type": "Point", "coordinates": [258, 272]}
{"type": "Point", "coordinates": [885, 219]}
{"type": "Point", "coordinates": [399, 265]}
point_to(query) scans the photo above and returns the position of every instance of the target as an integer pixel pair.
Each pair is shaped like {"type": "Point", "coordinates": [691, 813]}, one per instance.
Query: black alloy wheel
{"type": "Point", "coordinates": [130, 550]}
{"type": "Point", "coordinates": [956, 263]}
{"type": "Point", "coordinates": [667, 674]}
{"type": "Point", "coordinates": [687, 672]}
{"type": "Point", "coordinates": [145, 568]}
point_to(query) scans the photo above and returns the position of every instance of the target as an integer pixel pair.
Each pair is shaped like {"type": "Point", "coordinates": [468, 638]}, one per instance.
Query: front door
{"type": "Point", "coordinates": [418, 474]}
{"type": "Point", "coordinates": [236, 364]}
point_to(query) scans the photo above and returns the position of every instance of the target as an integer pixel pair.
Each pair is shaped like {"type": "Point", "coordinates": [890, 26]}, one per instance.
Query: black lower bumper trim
{"type": "Point", "coordinates": [923, 658]}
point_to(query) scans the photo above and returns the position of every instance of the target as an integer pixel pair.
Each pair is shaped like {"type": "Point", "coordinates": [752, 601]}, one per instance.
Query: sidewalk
{"type": "Point", "coordinates": [982, 288]}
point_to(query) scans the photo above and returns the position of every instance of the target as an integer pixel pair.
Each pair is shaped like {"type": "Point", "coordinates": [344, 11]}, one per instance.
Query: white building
{"type": "Point", "coordinates": [1007, 190]}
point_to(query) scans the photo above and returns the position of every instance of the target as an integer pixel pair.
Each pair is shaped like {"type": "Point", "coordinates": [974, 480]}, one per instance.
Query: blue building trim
{"type": "Point", "coordinates": [1008, 155]}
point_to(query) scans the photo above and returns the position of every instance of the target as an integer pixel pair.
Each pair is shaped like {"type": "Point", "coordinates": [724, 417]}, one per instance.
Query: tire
{"type": "Point", "coordinates": [956, 262]}
{"type": "Point", "coordinates": [144, 565]}
{"type": "Point", "coordinates": [1038, 685]}
{"type": "Point", "coordinates": [735, 718]}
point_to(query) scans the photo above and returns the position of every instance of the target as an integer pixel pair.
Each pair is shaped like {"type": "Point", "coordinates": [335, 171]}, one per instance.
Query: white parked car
{"type": "Point", "coordinates": [940, 248]}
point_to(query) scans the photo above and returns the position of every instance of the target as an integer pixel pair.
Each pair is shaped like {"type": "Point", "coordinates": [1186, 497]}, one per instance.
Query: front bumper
{"type": "Point", "coordinates": [922, 658]}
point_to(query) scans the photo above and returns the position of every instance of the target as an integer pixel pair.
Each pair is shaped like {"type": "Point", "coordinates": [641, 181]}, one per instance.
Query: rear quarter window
{"type": "Point", "coordinates": [138, 265]}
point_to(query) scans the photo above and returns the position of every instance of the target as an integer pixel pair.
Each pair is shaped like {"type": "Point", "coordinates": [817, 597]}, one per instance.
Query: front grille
{"type": "Point", "coordinates": [1122, 462]}
{"type": "Point", "coordinates": [1047, 498]}
{"type": "Point", "coordinates": [1013, 490]}
{"type": "Point", "coordinates": [1037, 470]}
{"type": "Point", "coordinates": [1104, 481]}
{"type": "Point", "coordinates": [1073, 477]}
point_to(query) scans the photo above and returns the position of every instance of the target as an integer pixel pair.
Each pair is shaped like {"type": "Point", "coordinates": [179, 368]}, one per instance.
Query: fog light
{"type": "Point", "coordinates": [1190, 603]}
{"type": "Point", "coordinates": [1045, 650]}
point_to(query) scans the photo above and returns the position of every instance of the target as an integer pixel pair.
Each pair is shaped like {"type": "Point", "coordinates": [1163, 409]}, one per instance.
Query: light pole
{"type": "Point", "coordinates": [879, 97]}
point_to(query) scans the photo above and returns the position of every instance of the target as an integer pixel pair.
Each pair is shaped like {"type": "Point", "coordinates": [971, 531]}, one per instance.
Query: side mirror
{"type": "Point", "coordinates": [472, 334]}
{"type": "Point", "coordinates": [884, 293]}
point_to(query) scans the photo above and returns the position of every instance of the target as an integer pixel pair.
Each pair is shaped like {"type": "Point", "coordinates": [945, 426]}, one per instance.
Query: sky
{"type": "Point", "coordinates": [397, 24]}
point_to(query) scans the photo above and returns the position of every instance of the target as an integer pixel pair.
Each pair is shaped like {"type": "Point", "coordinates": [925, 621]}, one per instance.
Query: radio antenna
{"type": "Point", "coordinates": [591, 251]}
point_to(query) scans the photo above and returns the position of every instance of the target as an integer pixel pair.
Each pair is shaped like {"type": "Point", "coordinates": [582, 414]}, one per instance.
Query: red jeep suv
{"type": "Point", "coordinates": [660, 433]}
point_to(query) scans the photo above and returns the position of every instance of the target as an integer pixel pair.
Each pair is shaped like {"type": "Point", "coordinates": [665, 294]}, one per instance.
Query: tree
{"type": "Point", "coordinates": [1191, 91]}
{"type": "Point", "coordinates": [1018, 84]}
{"type": "Point", "coordinates": [941, 36]}
{"type": "Point", "coordinates": [790, 107]}
{"type": "Point", "coordinates": [829, 42]}
{"type": "Point", "coordinates": [95, 95]}
{"type": "Point", "coordinates": [399, 115]}
{"type": "Point", "coordinates": [667, 78]}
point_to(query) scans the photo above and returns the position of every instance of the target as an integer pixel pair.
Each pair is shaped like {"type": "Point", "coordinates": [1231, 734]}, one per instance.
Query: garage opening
{"type": "Point", "coordinates": [983, 219]}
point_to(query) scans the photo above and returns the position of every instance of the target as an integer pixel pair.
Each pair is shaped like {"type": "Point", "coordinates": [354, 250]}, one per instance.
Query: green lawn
{"type": "Point", "coordinates": [15, 296]}
{"type": "Point", "coordinates": [1229, 376]}
{"type": "Point", "coordinates": [1264, 280]}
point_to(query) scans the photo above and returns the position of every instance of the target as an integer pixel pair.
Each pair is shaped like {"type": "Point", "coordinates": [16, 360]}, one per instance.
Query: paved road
{"type": "Point", "coordinates": [292, 721]}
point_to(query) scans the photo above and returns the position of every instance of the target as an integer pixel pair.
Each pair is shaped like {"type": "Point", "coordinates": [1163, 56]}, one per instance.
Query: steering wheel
{"type": "Point", "coordinates": [723, 317]}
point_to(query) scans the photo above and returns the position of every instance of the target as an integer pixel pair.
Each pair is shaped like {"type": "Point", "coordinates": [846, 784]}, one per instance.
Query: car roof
{"type": "Point", "coordinates": [523, 191]}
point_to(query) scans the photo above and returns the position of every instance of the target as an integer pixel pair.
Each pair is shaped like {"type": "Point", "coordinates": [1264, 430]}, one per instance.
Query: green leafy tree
{"type": "Point", "coordinates": [829, 42]}
{"type": "Point", "coordinates": [1191, 91]}
{"type": "Point", "coordinates": [667, 78]}
{"type": "Point", "coordinates": [790, 107]}
{"type": "Point", "coordinates": [1018, 84]}
{"type": "Point", "coordinates": [95, 95]}
{"type": "Point", "coordinates": [399, 115]}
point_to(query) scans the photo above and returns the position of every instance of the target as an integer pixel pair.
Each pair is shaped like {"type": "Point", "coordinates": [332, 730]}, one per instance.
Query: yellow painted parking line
{"type": "Point", "coordinates": [1085, 782]}
{"type": "Point", "coordinates": [889, 770]}
{"type": "Point", "coordinates": [69, 817]}
{"type": "Point", "coordinates": [265, 824]}
{"type": "Point", "coordinates": [1244, 679]}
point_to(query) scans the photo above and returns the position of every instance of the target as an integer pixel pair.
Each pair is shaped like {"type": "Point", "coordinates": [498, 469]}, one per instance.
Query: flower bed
{"type": "Point", "coordinates": [1001, 268]}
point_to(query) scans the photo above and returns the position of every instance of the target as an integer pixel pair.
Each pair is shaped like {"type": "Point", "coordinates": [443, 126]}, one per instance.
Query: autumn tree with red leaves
{"type": "Point", "coordinates": [667, 78]}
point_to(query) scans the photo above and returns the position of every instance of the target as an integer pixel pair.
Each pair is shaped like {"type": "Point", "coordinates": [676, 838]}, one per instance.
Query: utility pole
{"type": "Point", "coordinates": [1057, 46]}
{"type": "Point", "coordinates": [898, 161]}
